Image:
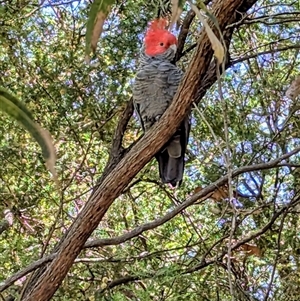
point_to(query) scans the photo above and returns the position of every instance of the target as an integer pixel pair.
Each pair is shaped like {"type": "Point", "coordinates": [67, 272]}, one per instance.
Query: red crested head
{"type": "Point", "coordinates": [158, 39]}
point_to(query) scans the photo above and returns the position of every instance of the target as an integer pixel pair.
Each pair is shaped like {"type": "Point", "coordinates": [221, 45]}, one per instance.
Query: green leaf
{"type": "Point", "coordinates": [16, 109]}
{"type": "Point", "coordinates": [97, 15]}
{"type": "Point", "coordinates": [217, 46]}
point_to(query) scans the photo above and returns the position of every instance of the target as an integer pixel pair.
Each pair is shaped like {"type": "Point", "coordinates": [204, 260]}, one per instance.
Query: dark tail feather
{"type": "Point", "coordinates": [171, 169]}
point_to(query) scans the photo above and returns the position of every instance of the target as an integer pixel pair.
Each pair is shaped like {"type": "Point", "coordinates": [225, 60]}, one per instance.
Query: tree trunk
{"type": "Point", "coordinates": [44, 284]}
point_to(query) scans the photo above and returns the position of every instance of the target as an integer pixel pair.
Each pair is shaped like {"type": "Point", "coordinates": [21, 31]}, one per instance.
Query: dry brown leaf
{"type": "Point", "coordinates": [246, 249]}
{"type": "Point", "coordinates": [219, 194]}
{"type": "Point", "coordinates": [176, 12]}
{"type": "Point", "coordinates": [294, 89]}
{"type": "Point", "coordinates": [250, 250]}
{"type": "Point", "coordinates": [98, 27]}
{"type": "Point", "coordinates": [217, 47]}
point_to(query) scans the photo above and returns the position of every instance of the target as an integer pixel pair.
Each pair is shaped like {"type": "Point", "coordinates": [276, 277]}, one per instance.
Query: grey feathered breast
{"type": "Point", "coordinates": [155, 85]}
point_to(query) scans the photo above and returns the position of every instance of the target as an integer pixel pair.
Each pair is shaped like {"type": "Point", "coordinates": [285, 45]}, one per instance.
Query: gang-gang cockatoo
{"type": "Point", "coordinates": [156, 83]}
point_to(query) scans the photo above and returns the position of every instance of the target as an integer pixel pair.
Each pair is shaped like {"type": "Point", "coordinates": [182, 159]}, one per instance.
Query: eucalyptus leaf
{"type": "Point", "coordinates": [18, 111]}
{"type": "Point", "coordinates": [97, 15]}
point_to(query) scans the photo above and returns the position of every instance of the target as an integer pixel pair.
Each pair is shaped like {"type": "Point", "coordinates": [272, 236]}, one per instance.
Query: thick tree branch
{"type": "Point", "coordinates": [191, 200]}
{"type": "Point", "coordinates": [140, 154]}
{"type": "Point", "coordinates": [204, 262]}
{"type": "Point", "coordinates": [116, 148]}
{"type": "Point", "coordinates": [151, 225]}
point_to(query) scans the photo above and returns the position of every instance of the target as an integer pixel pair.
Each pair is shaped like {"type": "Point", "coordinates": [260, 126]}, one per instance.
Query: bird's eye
{"type": "Point", "coordinates": [161, 44]}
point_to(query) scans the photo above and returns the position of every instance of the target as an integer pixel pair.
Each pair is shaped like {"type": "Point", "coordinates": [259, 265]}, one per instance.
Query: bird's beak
{"type": "Point", "coordinates": [174, 48]}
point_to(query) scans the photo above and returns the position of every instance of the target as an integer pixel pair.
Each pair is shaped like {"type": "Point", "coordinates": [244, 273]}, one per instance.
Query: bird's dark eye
{"type": "Point", "coordinates": [161, 44]}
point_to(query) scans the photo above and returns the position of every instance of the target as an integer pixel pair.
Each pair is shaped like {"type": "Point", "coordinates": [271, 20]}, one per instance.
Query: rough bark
{"type": "Point", "coordinates": [113, 184]}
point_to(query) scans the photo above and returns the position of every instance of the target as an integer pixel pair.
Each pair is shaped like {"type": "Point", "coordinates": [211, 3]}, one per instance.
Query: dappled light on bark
{"type": "Point", "coordinates": [114, 231]}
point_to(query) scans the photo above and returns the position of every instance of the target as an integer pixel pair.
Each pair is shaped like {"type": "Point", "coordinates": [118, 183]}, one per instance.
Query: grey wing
{"type": "Point", "coordinates": [154, 88]}
{"type": "Point", "coordinates": [173, 80]}
{"type": "Point", "coordinates": [142, 96]}
{"type": "Point", "coordinates": [137, 110]}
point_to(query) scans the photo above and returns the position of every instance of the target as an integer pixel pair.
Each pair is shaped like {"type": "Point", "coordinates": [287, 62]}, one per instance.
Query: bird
{"type": "Point", "coordinates": [155, 84]}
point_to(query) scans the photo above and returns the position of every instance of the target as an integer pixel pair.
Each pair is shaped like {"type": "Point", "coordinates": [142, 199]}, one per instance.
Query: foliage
{"type": "Point", "coordinates": [97, 15]}
{"type": "Point", "coordinates": [42, 51]}
{"type": "Point", "coordinates": [14, 108]}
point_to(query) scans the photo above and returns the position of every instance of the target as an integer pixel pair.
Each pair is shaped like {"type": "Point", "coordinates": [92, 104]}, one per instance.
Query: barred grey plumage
{"type": "Point", "coordinates": [156, 83]}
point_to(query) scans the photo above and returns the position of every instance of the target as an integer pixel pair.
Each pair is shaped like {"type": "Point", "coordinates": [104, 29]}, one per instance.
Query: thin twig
{"type": "Point", "coordinates": [210, 128]}
{"type": "Point", "coordinates": [156, 223]}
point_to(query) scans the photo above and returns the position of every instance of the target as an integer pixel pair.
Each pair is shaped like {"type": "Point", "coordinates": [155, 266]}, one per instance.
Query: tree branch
{"type": "Point", "coordinates": [139, 155]}
{"type": "Point", "coordinates": [183, 34]}
{"type": "Point", "coordinates": [254, 55]}
{"type": "Point", "coordinates": [248, 238]}
{"type": "Point", "coordinates": [151, 225]}
{"type": "Point", "coordinates": [203, 262]}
